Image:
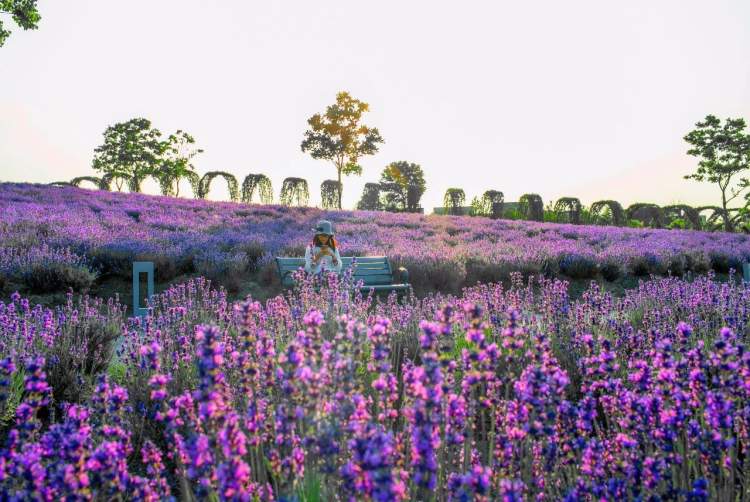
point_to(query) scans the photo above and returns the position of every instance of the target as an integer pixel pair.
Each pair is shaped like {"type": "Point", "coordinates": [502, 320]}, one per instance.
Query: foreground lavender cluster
{"type": "Point", "coordinates": [222, 240]}
{"type": "Point", "coordinates": [500, 394]}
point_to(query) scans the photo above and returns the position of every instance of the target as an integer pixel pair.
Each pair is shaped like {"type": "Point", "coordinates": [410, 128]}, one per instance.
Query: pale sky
{"type": "Point", "coordinates": [577, 98]}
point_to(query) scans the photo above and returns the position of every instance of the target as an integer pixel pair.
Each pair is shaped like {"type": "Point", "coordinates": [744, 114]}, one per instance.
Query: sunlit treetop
{"type": "Point", "coordinates": [23, 12]}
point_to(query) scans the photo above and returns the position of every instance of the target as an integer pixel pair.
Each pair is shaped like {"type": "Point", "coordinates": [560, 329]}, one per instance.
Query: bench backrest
{"type": "Point", "coordinates": [371, 270]}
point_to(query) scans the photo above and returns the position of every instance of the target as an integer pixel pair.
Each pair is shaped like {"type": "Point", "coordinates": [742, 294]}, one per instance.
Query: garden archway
{"type": "Point", "coordinates": [684, 212]}
{"type": "Point", "coordinates": [649, 214]}
{"type": "Point", "coordinates": [492, 203]}
{"type": "Point", "coordinates": [258, 184]}
{"type": "Point", "coordinates": [453, 200]}
{"type": "Point", "coordinates": [330, 191]}
{"type": "Point", "coordinates": [294, 191]}
{"type": "Point", "coordinates": [99, 182]}
{"type": "Point", "coordinates": [205, 184]}
{"type": "Point", "coordinates": [570, 208]}
{"type": "Point", "coordinates": [615, 216]}
{"type": "Point", "coordinates": [531, 206]}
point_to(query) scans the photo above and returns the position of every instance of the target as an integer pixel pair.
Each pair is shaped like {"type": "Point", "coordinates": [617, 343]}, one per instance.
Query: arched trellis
{"type": "Point", "coordinates": [370, 200]}
{"type": "Point", "coordinates": [453, 200]}
{"type": "Point", "coordinates": [684, 212]}
{"type": "Point", "coordinates": [713, 215]}
{"type": "Point", "coordinates": [330, 191]}
{"type": "Point", "coordinates": [205, 184]}
{"type": "Point", "coordinates": [740, 222]}
{"type": "Point", "coordinates": [570, 208]}
{"type": "Point", "coordinates": [650, 215]}
{"type": "Point", "coordinates": [294, 191]}
{"type": "Point", "coordinates": [91, 179]}
{"type": "Point", "coordinates": [61, 184]}
{"type": "Point", "coordinates": [739, 214]}
{"type": "Point", "coordinates": [492, 203]}
{"type": "Point", "coordinates": [165, 185]}
{"type": "Point", "coordinates": [531, 207]}
{"type": "Point", "coordinates": [170, 184]}
{"type": "Point", "coordinates": [258, 184]}
{"type": "Point", "coordinates": [616, 212]}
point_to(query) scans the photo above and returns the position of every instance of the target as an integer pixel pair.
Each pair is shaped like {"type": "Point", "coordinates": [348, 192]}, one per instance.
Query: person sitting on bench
{"type": "Point", "coordinates": [323, 253]}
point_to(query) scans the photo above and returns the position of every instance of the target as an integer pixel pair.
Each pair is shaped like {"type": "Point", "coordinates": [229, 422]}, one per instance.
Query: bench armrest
{"type": "Point", "coordinates": [402, 275]}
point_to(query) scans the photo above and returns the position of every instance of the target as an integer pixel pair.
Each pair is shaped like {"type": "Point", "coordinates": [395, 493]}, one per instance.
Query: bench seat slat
{"type": "Point", "coordinates": [366, 259]}
{"type": "Point", "coordinates": [359, 272]}
{"type": "Point", "coordinates": [385, 287]}
{"type": "Point", "coordinates": [374, 272]}
{"type": "Point", "coordinates": [374, 279]}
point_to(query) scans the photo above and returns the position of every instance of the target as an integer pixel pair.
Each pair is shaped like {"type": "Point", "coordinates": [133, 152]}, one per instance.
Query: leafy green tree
{"type": "Point", "coordinates": [131, 151]}
{"type": "Point", "coordinates": [177, 153]}
{"type": "Point", "coordinates": [338, 136]}
{"type": "Point", "coordinates": [23, 12]}
{"type": "Point", "coordinates": [477, 207]}
{"type": "Point", "coordinates": [403, 185]}
{"type": "Point", "coordinates": [724, 153]}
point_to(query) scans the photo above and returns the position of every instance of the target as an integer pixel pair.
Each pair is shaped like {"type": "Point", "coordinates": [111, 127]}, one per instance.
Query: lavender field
{"type": "Point", "coordinates": [500, 394]}
{"type": "Point", "coordinates": [54, 238]}
{"type": "Point", "coordinates": [507, 390]}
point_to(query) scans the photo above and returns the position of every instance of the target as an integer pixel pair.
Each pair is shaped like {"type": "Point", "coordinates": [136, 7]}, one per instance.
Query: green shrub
{"type": "Point", "coordinates": [611, 269]}
{"type": "Point", "coordinates": [721, 262]}
{"type": "Point", "coordinates": [255, 251]}
{"type": "Point", "coordinates": [677, 265]}
{"type": "Point", "coordinates": [577, 266]}
{"type": "Point", "coordinates": [678, 224]}
{"type": "Point", "coordinates": [428, 275]}
{"type": "Point", "coordinates": [479, 270]}
{"type": "Point", "coordinates": [224, 269]}
{"type": "Point", "coordinates": [697, 262]}
{"type": "Point", "coordinates": [646, 264]}
{"type": "Point", "coordinates": [79, 354]}
{"type": "Point", "coordinates": [48, 277]}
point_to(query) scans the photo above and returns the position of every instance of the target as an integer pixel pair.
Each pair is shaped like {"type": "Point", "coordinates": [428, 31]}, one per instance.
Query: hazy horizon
{"type": "Point", "coordinates": [562, 99]}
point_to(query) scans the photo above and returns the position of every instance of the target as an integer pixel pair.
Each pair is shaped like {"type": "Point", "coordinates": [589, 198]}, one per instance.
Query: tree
{"type": "Point", "coordinates": [403, 185]}
{"type": "Point", "coordinates": [339, 137]}
{"type": "Point", "coordinates": [177, 153]}
{"type": "Point", "coordinates": [131, 151]}
{"type": "Point", "coordinates": [23, 12]}
{"type": "Point", "coordinates": [370, 200]}
{"type": "Point", "coordinates": [491, 204]}
{"type": "Point", "coordinates": [724, 153]}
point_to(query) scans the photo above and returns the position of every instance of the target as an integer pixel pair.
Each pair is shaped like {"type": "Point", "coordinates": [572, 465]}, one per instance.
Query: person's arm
{"type": "Point", "coordinates": [336, 261]}
{"type": "Point", "coordinates": [308, 260]}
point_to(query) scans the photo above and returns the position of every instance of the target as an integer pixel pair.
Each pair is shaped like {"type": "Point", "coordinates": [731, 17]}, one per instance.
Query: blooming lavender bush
{"type": "Point", "coordinates": [42, 269]}
{"type": "Point", "coordinates": [443, 253]}
{"type": "Point", "coordinates": [497, 394]}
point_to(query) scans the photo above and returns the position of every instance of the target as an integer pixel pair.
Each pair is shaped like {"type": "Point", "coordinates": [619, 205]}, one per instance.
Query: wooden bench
{"type": "Point", "coordinates": [374, 271]}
